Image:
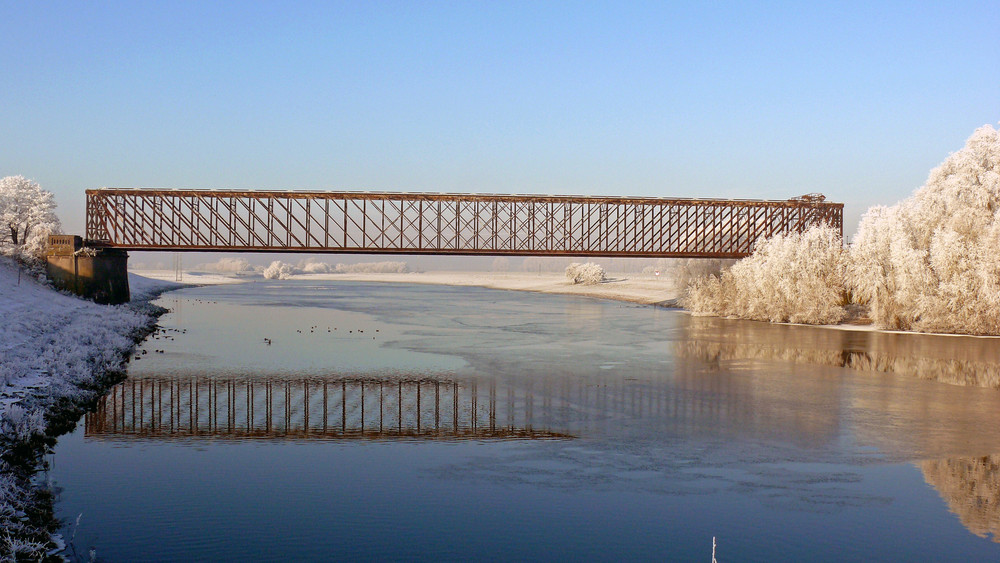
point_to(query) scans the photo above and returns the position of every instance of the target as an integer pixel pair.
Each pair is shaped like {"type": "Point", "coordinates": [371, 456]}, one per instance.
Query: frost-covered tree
{"type": "Point", "coordinates": [282, 270]}
{"type": "Point", "coordinates": [27, 217]}
{"type": "Point", "coordinates": [798, 277]}
{"type": "Point", "coordinates": [279, 270]}
{"type": "Point", "coordinates": [587, 274]}
{"type": "Point", "coordinates": [932, 262]}
{"type": "Point", "coordinates": [682, 272]}
{"type": "Point", "coordinates": [388, 267]}
{"type": "Point", "coordinates": [228, 265]}
{"type": "Point", "coordinates": [318, 268]}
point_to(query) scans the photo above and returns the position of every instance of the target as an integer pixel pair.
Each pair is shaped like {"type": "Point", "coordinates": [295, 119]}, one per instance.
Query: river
{"type": "Point", "coordinates": [303, 420]}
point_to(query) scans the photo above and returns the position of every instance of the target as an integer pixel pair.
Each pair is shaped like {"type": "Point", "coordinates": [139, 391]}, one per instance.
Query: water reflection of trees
{"type": "Point", "coordinates": [971, 487]}
{"type": "Point", "coordinates": [948, 359]}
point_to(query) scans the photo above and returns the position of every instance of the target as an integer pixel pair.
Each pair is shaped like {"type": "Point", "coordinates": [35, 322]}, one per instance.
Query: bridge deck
{"type": "Point", "coordinates": [464, 224]}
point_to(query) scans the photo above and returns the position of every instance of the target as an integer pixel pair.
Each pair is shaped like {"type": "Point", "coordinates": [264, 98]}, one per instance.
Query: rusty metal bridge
{"type": "Point", "coordinates": [425, 223]}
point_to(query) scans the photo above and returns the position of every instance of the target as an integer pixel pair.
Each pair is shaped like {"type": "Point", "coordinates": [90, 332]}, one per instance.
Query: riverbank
{"type": "Point", "coordinates": [58, 353]}
{"type": "Point", "coordinates": [633, 288]}
{"type": "Point", "coordinates": [638, 289]}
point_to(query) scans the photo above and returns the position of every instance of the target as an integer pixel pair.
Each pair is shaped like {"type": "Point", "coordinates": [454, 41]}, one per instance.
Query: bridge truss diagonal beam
{"type": "Point", "coordinates": [461, 224]}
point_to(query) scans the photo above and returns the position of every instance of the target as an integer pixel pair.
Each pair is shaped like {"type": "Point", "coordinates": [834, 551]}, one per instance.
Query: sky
{"type": "Point", "coordinates": [757, 100]}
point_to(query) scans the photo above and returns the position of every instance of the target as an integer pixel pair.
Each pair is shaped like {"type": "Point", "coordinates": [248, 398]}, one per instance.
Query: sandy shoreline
{"type": "Point", "coordinates": [645, 290]}
{"type": "Point", "coordinates": [642, 290]}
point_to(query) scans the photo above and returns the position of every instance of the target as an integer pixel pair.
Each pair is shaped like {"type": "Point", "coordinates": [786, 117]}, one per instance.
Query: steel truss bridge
{"type": "Point", "coordinates": [460, 224]}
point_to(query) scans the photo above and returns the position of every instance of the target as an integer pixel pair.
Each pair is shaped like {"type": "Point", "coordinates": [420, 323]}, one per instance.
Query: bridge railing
{"type": "Point", "coordinates": [396, 223]}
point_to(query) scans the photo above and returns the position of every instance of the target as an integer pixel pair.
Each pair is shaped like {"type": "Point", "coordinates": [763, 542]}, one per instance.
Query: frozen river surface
{"type": "Point", "coordinates": [323, 420]}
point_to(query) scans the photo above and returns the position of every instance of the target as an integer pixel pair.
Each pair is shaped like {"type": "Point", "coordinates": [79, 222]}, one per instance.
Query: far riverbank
{"type": "Point", "coordinates": [641, 289]}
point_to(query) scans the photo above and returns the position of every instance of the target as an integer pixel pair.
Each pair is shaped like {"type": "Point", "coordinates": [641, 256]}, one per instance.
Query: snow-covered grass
{"type": "Point", "coordinates": [57, 354]}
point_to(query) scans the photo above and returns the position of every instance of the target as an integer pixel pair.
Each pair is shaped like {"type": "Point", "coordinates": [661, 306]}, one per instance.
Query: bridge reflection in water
{"type": "Point", "coordinates": [342, 408]}
{"type": "Point", "coordinates": [538, 402]}
{"type": "Point", "coordinates": [449, 408]}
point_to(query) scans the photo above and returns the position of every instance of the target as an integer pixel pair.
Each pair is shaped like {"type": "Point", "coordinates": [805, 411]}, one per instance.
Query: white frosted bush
{"type": "Point", "coordinates": [20, 423]}
{"type": "Point", "coordinates": [684, 271]}
{"type": "Point", "coordinates": [282, 270]}
{"type": "Point", "coordinates": [317, 268]}
{"type": "Point", "coordinates": [233, 265]}
{"type": "Point", "coordinates": [799, 278]}
{"type": "Point", "coordinates": [224, 265]}
{"type": "Point", "coordinates": [22, 549]}
{"type": "Point", "coordinates": [587, 274]}
{"type": "Point", "coordinates": [279, 270]}
{"type": "Point", "coordinates": [373, 268]}
{"type": "Point", "coordinates": [932, 262]}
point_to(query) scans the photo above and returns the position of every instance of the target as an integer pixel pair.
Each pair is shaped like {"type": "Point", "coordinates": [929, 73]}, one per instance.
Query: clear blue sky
{"type": "Point", "coordinates": [706, 99]}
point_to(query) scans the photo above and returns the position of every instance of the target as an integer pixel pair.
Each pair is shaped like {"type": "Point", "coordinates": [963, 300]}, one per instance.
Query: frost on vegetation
{"type": "Point", "coordinates": [798, 278]}
{"type": "Point", "coordinates": [26, 517]}
{"type": "Point", "coordinates": [283, 270]}
{"type": "Point", "coordinates": [27, 217]}
{"type": "Point", "coordinates": [932, 262]}
{"type": "Point", "coordinates": [20, 424]}
{"type": "Point", "coordinates": [372, 268]}
{"type": "Point", "coordinates": [57, 353]}
{"type": "Point", "coordinates": [684, 271]}
{"type": "Point", "coordinates": [228, 265]}
{"type": "Point", "coordinates": [587, 274]}
{"type": "Point", "coordinates": [318, 268]}
{"type": "Point", "coordinates": [279, 270]}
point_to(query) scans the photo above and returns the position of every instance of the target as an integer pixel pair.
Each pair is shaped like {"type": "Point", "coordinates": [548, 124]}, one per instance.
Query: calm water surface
{"type": "Point", "coordinates": [429, 423]}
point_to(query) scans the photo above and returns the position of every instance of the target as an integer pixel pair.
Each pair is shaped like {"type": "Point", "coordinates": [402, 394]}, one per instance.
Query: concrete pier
{"type": "Point", "coordinates": [93, 272]}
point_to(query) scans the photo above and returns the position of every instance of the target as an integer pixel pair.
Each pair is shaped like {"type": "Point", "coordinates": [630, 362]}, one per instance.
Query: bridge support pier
{"type": "Point", "coordinates": [95, 273]}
